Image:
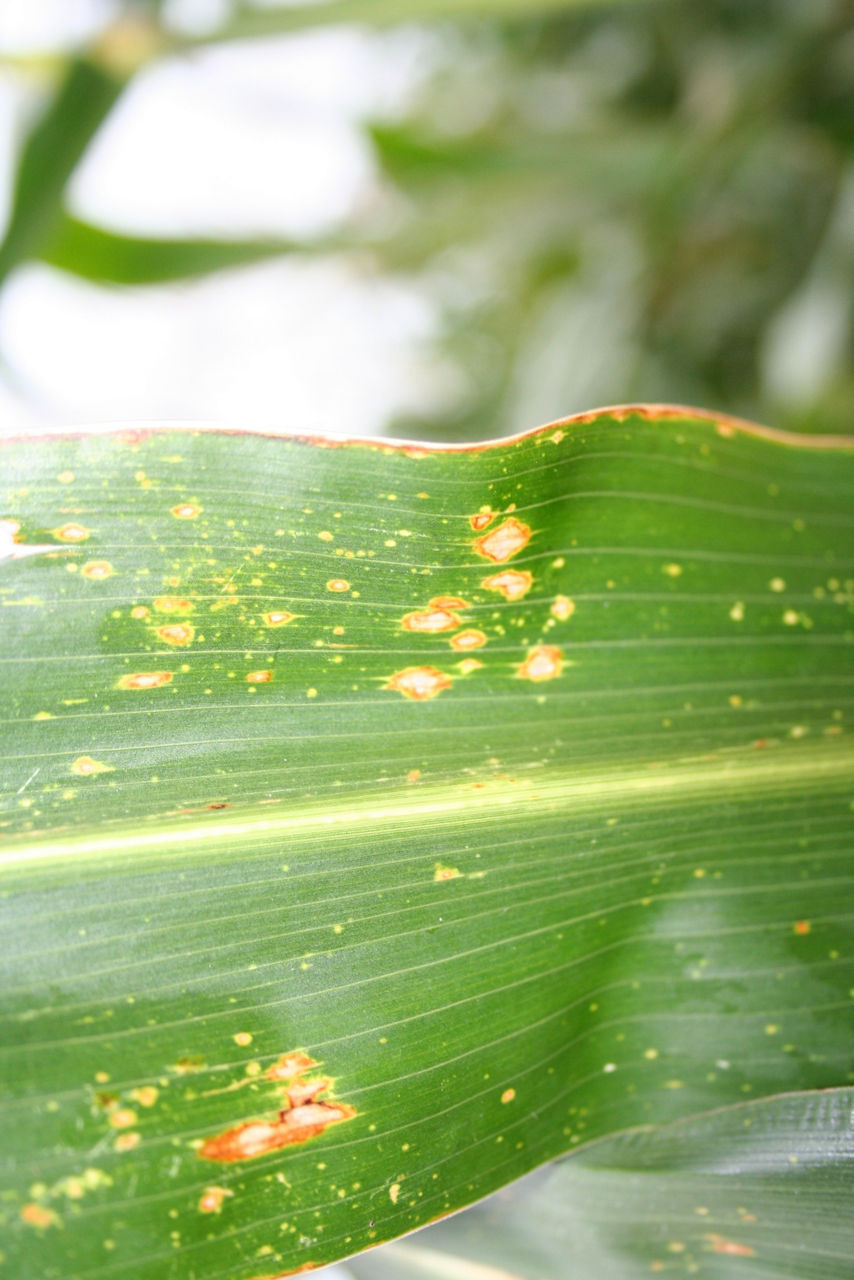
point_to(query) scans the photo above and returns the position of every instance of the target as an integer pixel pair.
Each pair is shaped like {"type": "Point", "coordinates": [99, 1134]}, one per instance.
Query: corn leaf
{"type": "Point", "coordinates": [380, 822]}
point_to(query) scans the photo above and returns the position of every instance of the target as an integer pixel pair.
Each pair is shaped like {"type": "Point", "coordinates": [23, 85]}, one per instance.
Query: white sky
{"type": "Point", "coordinates": [255, 139]}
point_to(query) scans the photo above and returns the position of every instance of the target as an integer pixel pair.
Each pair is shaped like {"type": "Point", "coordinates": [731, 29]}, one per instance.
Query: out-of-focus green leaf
{"type": "Point", "coordinates": [54, 146]}
{"type": "Point", "coordinates": [601, 878]}
{"type": "Point", "coordinates": [270, 19]}
{"type": "Point", "coordinates": [760, 1189]}
{"type": "Point", "coordinates": [111, 258]}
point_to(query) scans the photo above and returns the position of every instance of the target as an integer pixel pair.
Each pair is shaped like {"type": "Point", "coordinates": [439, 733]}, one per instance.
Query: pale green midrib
{"type": "Point", "coordinates": [765, 772]}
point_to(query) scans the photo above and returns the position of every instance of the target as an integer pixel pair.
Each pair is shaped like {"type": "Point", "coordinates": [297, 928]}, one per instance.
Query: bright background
{"type": "Point", "coordinates": [498, 220]}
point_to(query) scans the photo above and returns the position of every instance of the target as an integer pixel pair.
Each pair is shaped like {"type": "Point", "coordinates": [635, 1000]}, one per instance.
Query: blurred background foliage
{"type": "Point", "coordinates": [596, 202]}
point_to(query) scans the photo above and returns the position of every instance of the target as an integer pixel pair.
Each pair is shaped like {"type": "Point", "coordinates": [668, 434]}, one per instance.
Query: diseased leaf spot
{"type": "Point", "coordinates": [212, 1199]}
{"type": "Point", "coordinates": [512, 583]}
{"type": "Point", "coordinates": [544, 662]}
{"type": "Point", "coordinates": [721, 1245]}
{"type": "Point", "coordinates": [139, 611]}
{"type": "Point", "coordinates": [171, 604]}
{"type": "Point", "coordinates": [145, 680]}
{"type": "Point", "coordinates": [243, 1038]}
{"type": "Point", "coordinates": [471, 639]}
{"type": "Point", "coordinates": [802, 927]}
{"type": "Point", "coordinates": [508, 1095]}
{"type": "Point", "coordinates": [419, 683]}
{"type": "Point", "coordinates": [186, 511]}
{"type": "Point", "coordinates": [98, 570]}
{"type": "Point", "coordinates": [469, 664]}
{"type": "Point", "coordinates": [441, 872]}
{"type": "Point", "coordinates": [86, 767]}
{"type": "Point", "coordinates": [394, 1192]}
{"type": "Point", "coordinates": [505, 541]}
{"type": "Point", "coordinates": [449, 602]}
{"type": "Point", "coordinates": [127, 1141]}
{"type": "Point", "coordinates": [259, 677]}
{"type": "Point", "coordinates": [482, 519]}
{"type": "Point", "coordinates": [338, 584]}
{"type": "Point", "coordinates": [430, 620]}
{"type": "Point", "coordinates": [278, 618]}
{"type": "Point", "coordinates": [12, 549]}
{"type": "Point", "coordinates": [177, 633]}
{"type": "Point", "coordinates": [563, 608]}
{"type": "Point", "coordinates": [123, 1118]}
{"type": "Point", "coordinates": [72, 533]}
{"type": "Point", "coordinates": [36, 1215]}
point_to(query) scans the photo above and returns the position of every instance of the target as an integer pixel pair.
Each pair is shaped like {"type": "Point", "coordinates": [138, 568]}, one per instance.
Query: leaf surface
{"type": "Point", "coordinates": [380, 822]}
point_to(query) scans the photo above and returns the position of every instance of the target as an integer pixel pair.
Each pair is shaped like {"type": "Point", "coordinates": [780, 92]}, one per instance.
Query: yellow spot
{"type": "Point", "coordinates": [127, 1141]}
{"type": "Point", "coordinates": [430, 620]}
{"type": "Point", "coordinates": [139, 611]}
{"type": "Point", "coordinates": [243, 1038]}
{"type": "Point", "coordinates": [737, 611]}
{"type": "Point", "coordinates": [325, 536]}
{"type": "Point", "coordinates": [65, 477]}
{"type": "Point", "coordinates": [505, 541]}
{"type": "Point", "coordinates": [419, 683]}
{"type": "Point", "coordinates": [512, 583]}
{"type": "Point", "coordinates": [177, 633]}
{"type": "Point", "coordinates": [259, 677]}
{"type": "Point", "coordinates": [734, 700]}
{"type": "Point", "coordinates": [43, 715]}
{"type": "Point", "coordinates": [674, 1084]}
{"type": "Point", "coordinates": [413, 775]}
{"type": "Point", "coordinates": [394, 1192]}
{"type": "Point", "coordinates": [771, 1029]}
{"type": "Point", "coordinates": [72, 533]}
{"type": "Point", "coordinates": [146, 1095]}
{"type": "Point", "coordinates": [508, 1095]}
{"type": "Point", "coordinates": [441, 872]}
{"type": "Point", "coordinates": [211, 1200]}
{"type": "Point", "coordinates": [790, 618]}
{"type": "Point", "coordinates": [563, 608]}
{"type": "Point", "coordinates": [171, 604]}
{"type": "Point", "coordinates": [186, 511]}
{"type": "Point", "coordinates": [699, 873]}
{"type": "Point", "coordinates": [311, 693]}
{"type": "Point", "coordinates": [145, 680]}
{"type": "Point", "coordinates": [652, 1054]}
{"type": "Point", "coordinates": [338, 584]}
{"type": "Point", "coordinates": [672, 570]}
{"type": "Point", "coordinates": [124, 1118]}
{"type": "Point", "coordinates": [544, 662]}
{"type": "Point", "coordinates": [676, 1246]}
{"type": "Point", "coordinates": [278, 618]}
{"type": "Point", "coordinates": [469, 664]}
{"type": "Point", "coordinates": [97, 569]}
{"type": "Point", "coordinates": [777, 584]}
{"type": "Point", "coordinates": [472, 639]}
{"type": "Point", "coordinates": [36, 1215]}
{"type": "Point", "coordinates": [86, 767]}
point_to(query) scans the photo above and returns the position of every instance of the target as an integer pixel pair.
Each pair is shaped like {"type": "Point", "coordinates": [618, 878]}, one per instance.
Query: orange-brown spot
{"type": "Point", "coordinates": [512, 583]}
{"type": "Point", "coordinates": [563, 608]}
{"type": "Point", "coordinates": [471, 639]}
{"type": "Point", "coordinates": [124, 1118]}
{"type": "Point", "coordinates": [413, 775]}
{"type": "Point", "coordinates": [176, 633]}
{"type": "Point", "coordinates": [172, 604]}
{"type": "Point", "coordinates": [85, 767]}
{"type": "Point", "coordinates": [802, 926]}
{"type": "Point", "coordinates": [469, 664]}
{"type": "Point", "coordinates": [721, 1245]}
{"type": "Point", "coordinates": [430, 620]}
{"type": "Point", "coordinates": [543, 662]}
{"type": "Point", "coordinates": [290, 1066]}
{"type": "Point", "coordinates": [449, 602]}
{"type": "Point", "coordinates": [508, 1095]}
{"type": "Point", "coordinates": [338, 584]}
{"type": "Point", "coordinates": [419, 683]}
{"type": "Point", "coordinates": [146, 1095]}
{"type": "Point", "coordinates": [127, 1141]}
{"type": "Point", "coordinates": [97, 569]}
{"type": "Point", "coordinates": [481, 520]}
{"type": "Point", "coordinates": [139, 611]}
{"type": "Point", "coordinates": [186, 511]}
{"type": "Point", "coordinates": [258, 1137]}
{"type": "Point", "coordinates": [145, 680]}
{"type": "Point", "coordinates": [259, 677]}
{"type": "Point", "coordinates": [278, 618]}
{"type": "Point", "coordinates": [502, 543]}
{"type": "Point", "coordinates": [211, 1200]}
{"type": "Point", "coordinates": [36, 1215]}
{"type": "Point", "coordinates": [441, 872]}
{"type": "Point", "coordinates": [72, 533]}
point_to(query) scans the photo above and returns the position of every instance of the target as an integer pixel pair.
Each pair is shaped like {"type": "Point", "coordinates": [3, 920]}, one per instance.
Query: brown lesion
{"type": "Point", "coordinates": [305, 1113]}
